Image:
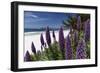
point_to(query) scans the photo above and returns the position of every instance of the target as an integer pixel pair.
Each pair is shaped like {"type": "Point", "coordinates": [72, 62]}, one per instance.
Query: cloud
{"type": "Point", "coordinates": [30, 15]}
{"type": "Point", "coordinates": [34, 16]}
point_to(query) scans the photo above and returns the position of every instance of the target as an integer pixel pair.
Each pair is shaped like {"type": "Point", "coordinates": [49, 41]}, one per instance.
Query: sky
{"type": "Point", "coordinates": [34, 19]}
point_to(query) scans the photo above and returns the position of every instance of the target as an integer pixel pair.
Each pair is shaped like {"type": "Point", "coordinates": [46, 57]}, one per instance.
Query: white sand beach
{"type": "Point", "coordinates": [34, 37]}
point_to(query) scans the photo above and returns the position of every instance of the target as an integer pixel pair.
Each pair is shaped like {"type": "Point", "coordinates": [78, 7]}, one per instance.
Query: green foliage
{"type": "Point", "coordinates": [50, 53]}
{"type": "Point", "coordinates": [57, 54]}
{"type": "Point", "coordinates": [88, 49]}
{"type": "Point", "coordinates": [33, 58]}
{"type": "Point", "coordinates": [72, 20]}
{"type": "Point", "coordinates": [84, 17]}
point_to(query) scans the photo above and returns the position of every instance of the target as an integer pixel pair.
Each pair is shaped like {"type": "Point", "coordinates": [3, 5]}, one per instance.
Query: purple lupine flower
{"type": "Point", "coordinates": [53, 34]}
{"type": "Point", "coordinates": [33, 48]}
{"type": "Point", "coordinates": [27, 57]}
{"type": "Point", "coordinates": [81, 50]}
{"type": "Point", "coordinates": [45, 45]}
{"type": "Point", "coordinates": [41, 47]}
{"type": "Point", "coordinates": [87, 30]}
{"type": "Point", "coordinates": [61, 39]}
{"type": "Point", "coordinates": [68, 48]}
{"type": "Point", "coordinates": [42, 40]}
{"type": "Point", "coordinates": [76, 37]}
{"type": "Point", "coordinates": [48, 38]}
{"type": "Point", "coordinates": [78, 23]}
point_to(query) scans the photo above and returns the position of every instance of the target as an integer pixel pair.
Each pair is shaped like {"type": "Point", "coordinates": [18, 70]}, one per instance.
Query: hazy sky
{"type": "Point", "coordinates": [33, 19]}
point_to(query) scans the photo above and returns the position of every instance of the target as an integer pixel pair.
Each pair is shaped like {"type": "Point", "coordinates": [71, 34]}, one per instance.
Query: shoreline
{"type": "Point", "coordinates": [38, 32]}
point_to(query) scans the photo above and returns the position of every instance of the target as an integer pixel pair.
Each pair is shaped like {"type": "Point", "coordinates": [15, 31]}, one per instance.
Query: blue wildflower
{"type": "Point", "coordinates": [61, 39]}
{"type": "Point", "coordinates": [87, 30]}
{"type": "Point", "coordinates": [48, 38]}
{"type": "Point", "coordinates": [33, 48]}
{"type": "Point", "coordinates": [27, 57]}
{"type": "Point", "coordinates": [68, 48]}
{"type": "Point", "coordinates": [81, 50]}
{"type": "Point", "coordinates": [42, 40]}
{"type": "Point", "coordinates": [78, 23]}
